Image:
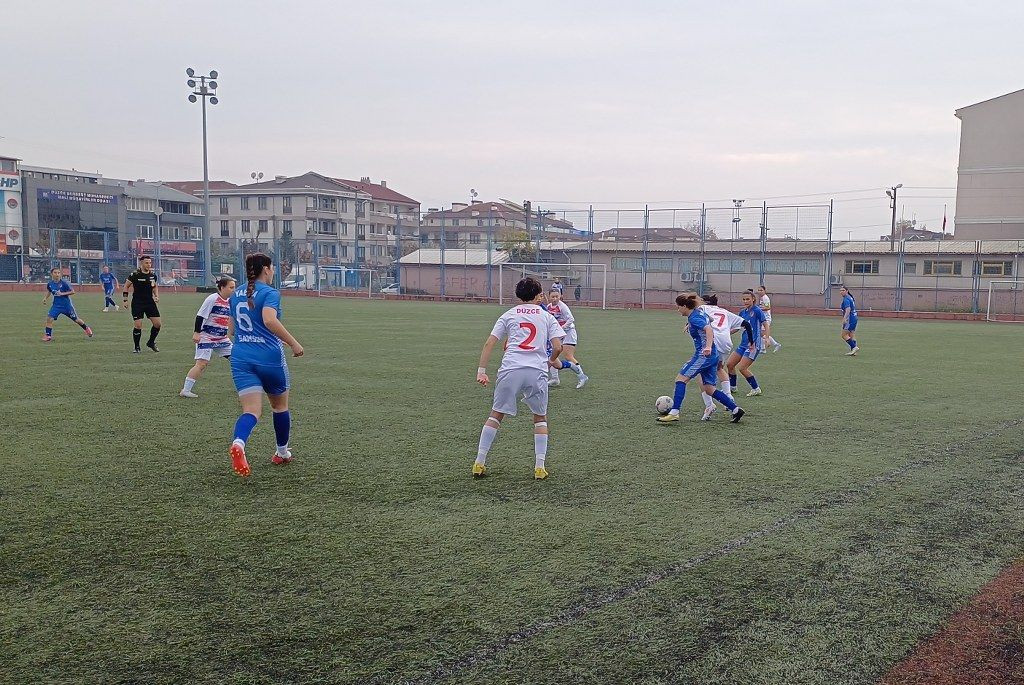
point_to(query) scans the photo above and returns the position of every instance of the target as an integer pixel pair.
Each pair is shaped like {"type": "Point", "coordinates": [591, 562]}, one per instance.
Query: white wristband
{"type": "Point", "coordinates": [481, 369]}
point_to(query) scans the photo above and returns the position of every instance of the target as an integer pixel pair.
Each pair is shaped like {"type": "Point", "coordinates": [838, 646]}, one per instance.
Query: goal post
{"type": "Point", "coordinates": [591, 280]}
{"type": "Point", "coordinates": [1005, 301]}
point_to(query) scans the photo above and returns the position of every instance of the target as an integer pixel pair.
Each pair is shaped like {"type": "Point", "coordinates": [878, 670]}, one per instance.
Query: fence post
{"type": "Point", "coordinates": [828, 258]}
{"type": "Point", "coordinates": [590, 251]}
{"type": "Point", "coordinates": [442, 255]}
{"type": "Point", "coordinates": [398, 249]}
{"type": "Point", "coordinates": [764, 238]}
{"type": "Point", "coordinates": [490, 247]}
{"type": "Point", "coordinates": [643, 261]}
{"type": "Point", "coordinates": [702, 251]}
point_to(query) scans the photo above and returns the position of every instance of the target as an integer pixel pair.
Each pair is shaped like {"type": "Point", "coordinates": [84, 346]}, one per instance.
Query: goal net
{"type": "Point", "coordinates": [340, 281]}
{"type": "Point", "coordinates": [585, 284]}
{"type": "Point", "coordinates": [1005, 301]}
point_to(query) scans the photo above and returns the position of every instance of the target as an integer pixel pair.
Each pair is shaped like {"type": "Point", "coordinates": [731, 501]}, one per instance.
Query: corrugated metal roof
{"type": "Point", "coordinates": [454, 257]}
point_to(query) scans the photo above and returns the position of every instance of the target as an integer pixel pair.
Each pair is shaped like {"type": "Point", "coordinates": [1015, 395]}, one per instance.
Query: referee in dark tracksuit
{"type": "Point", "coordinates": [142, 284]}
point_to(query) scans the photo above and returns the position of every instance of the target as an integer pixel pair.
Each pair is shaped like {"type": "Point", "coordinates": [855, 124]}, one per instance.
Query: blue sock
{"type": "Point", "coordinates": [752, 381]}
{"type": "Point", "coordinates": [244, 426]}
{"type": "Point", "coordinates": [282, 427]}
{"type": "Point", "coordinates": [732, 380]}
{"type": "Point", "coordinates": [678, 395]}
{"type": "Point", "coordinates": [566, 365]}
{"type": "Point", "coordinates": [49, 330]}
{"type": "Point", "coordinates": [851, 342]}
{"type": "Point", "coordinates": [724, 400]}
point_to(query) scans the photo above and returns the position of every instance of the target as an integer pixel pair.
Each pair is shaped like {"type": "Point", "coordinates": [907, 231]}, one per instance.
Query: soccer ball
{"type": "Point", "coordinates": [663, 404]}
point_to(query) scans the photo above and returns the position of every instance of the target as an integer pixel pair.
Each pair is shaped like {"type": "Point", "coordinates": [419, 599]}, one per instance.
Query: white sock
{"type": "Point", "coordinates": [708, 402]}
{"type": "Point", "coordinates": [673, 412]}
{"type": "Point", "coordinates": [540, 445]}
{"type": "Point", "coordinates": [239, 442]}
{"type": "Point", "coordinates": [282, 451]}
{"type": "Point", "coordinates": [487, 435]}
{"type": "Point", "coordinates": [189, 382]}
{"type": "Point", "coordinates": [726, 388]}
{"type": "Point", "coordinates": [576, 368]}
{"type": "Point", "coordinates": [552, 374]}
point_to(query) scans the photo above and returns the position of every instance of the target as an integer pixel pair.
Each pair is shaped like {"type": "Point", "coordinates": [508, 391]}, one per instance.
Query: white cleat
{"type": "Point", "coordinates": [187, 393]}
{"type": "Point", "coordinates": [778, 346]}
{"type": "Point", "coordinates": [583, 381]}
{"type": "Point", "coordinates": [106, 309]}
{"type": "Point", "coordinates": [708, 413]}
{"type": "Point", "coordinates": [853, 352]}
{"type": "Point", "coordinates": [117, 308]}
{"type": "Point", "coordinates": [553, 382]}
{"type": "Point", "coordinates": [754, 393]}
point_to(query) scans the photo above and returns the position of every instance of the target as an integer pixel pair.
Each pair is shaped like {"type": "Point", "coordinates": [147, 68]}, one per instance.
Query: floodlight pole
{"type": "Point", "coordinates": [205, 89]}
{"type": "Point", "coordinates": [891, 192]}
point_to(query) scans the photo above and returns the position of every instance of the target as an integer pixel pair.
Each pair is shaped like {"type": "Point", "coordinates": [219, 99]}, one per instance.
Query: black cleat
{"type": "Point", "coordinates": [136, 351]}
{"type": "Point", "coordinates": [152, 346]}
{"type": "Point", "coordinates": [737, 415]}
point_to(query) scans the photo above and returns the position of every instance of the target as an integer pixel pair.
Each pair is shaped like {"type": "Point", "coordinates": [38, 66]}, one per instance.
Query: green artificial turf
{"type": "Point", "coordinates": [130, 552]}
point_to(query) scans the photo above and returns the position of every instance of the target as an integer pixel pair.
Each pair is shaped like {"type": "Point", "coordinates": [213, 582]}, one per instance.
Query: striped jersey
{"type": "Point", "coordinates": [216, 314]}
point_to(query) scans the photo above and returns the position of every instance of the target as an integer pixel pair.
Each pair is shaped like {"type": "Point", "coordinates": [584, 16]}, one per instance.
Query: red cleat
{"type": "Point", "coordinates": [88, 331]}
{"type": "Point", "coordinates": [238, 461]}
{"type": "Point", "coordinates": [278, 460]}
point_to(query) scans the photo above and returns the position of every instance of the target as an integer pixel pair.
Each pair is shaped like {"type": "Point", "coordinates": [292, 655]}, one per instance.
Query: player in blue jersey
{"type": "Point", "coordinates": [849, 309]}
{"type": "Point", "coordinates": [750, 344]}
{"type": "Point", "coordinates": [61, 291]}
{"type": "Point", "coordinates": [110, 284]}
{"type": "Point", "coordinates": [257, 360]}
{"type": "Point", "coordinates": [704, 362]}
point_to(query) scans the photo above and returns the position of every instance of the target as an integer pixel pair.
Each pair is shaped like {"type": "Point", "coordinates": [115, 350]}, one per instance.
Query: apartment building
{"type": "Point", "coordinates": [471, 224]}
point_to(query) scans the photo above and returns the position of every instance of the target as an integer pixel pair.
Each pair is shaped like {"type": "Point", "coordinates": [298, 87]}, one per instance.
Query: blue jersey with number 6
{"type": "Point", "coordinates": [254, 343]}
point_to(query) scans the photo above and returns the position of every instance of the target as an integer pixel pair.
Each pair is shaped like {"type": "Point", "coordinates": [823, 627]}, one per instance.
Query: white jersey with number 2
{"type": "Point", "coordinates": [723, 323]}
{"type": "Point", "coordinates": [526, 330]}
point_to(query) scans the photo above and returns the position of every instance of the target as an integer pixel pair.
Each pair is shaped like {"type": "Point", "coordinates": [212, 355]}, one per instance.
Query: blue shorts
{"type": "Point", "coordinates": [250, 377]}
{"type": "Point", "coordinates": [748, 351]}
{"type": "Point", "coordinates": [706, 367]}
{"type": "Point", "coordinates": [67, 310]}
{"type": "Point", "coordinates": [851, 325]}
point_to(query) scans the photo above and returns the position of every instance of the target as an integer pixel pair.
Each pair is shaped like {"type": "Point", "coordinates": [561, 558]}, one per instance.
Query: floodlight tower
{"type": "Point", "coordinates": [204, 87]}
{"type": "Point", "coordinates": [737, 205]}
{"type": "Point", "coordinates": [891, 192]}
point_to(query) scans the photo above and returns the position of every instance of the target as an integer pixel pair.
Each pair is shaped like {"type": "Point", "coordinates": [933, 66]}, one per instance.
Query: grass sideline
{"type": "Point", "coordinates": [133, 554]}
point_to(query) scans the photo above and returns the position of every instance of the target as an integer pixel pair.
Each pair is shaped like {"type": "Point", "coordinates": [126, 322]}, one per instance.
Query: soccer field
{"type": "Point", "coordinates": [859, 503]}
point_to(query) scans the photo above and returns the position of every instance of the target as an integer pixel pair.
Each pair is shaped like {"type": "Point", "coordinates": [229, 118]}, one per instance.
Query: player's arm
{"type": "Point", "coordinates": [556, 350]}
{"type": "Point", "coordinates": [846, 315]}
{"type": "Point", "coordinates": [748, 329]}
{"type": "Point", "coordinates": [47, 295]}
{"type": "Point", "coordinates": [156, 289]}
{"type": "Point", "coordinates": [67, 293]}
{"type": "Point", "coordinates": [128, 288]}
{"type": "Point", "coordinates": [275, 326]}
{"type": "Point", "coordinates": [485, 356]}
{"type": "Point", "coordinates": [709, 334]}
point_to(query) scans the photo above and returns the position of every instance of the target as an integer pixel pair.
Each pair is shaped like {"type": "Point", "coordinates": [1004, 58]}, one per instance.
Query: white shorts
{"type": "Point", "coordinates": [532, 384]}
{"type": "Point", "coordinates": [570, 337]}
{"type": "Point", "coordinates": [207, 353]}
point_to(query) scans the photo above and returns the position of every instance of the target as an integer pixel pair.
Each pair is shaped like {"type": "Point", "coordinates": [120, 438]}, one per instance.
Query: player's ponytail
{"type": "Point", "coordinates": [254, 266]}
{"type": "Point", "coordinates": [688, 301]}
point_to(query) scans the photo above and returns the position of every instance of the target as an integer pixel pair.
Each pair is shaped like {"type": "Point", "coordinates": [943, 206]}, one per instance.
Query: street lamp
{"type": "Point", "coordinates": [891, 192]}
{"type": "Point", "coordinates": [204, 87]}
{"type": "Point", "coordinates": [737, 205]}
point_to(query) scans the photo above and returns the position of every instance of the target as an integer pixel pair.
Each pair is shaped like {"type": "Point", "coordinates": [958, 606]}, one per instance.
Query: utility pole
{"type": "Point", "coordinates": [891, 192]}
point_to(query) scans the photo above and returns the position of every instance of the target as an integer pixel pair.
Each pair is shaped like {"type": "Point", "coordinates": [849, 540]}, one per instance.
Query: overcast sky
{"type": "Point", "coordinates": [560, 102]}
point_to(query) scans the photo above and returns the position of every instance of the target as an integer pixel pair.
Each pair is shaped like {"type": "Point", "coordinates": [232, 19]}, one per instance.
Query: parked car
{"type": "Point", "coordinates": [393, 289]}
{"type": "Point", "coordinates": [293, 283]}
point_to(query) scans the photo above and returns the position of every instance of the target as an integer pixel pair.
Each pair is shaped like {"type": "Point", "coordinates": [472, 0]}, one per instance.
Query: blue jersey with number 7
{"type": "Point", "coordinates": [254, 342]}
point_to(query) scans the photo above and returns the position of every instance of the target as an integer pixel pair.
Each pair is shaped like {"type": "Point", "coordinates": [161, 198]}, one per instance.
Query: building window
{"type": "Point", "coordinates": [263, 226]}
{"type": "Point", "coordinates": [795, 266]}
{"type": "Point", "coordinates": [225, 231]}
{"type": "Point", "coordinates": [344, 205]}
{"type": "Point", "coordinates": [360, 231]}
{"type": "Point", "coordinates": [245, 226]}
{"type": "Point", "coordinates": [174, 207]}
{"type": "Point", "coordinates": [245, 203]}
{"type": "Point", "coordinates": [343, 227]}
{"type": "Point", "coordinates": [144, 231]}
{"type": "Point", "coordinates": [223, 205]}
{"type": "Point", "coordinates": [863, 266]}
{"type": "Point", "coordinates": [195, 232]}
{"type": "Point", "coordinates": [344, 251]}
{"type": "Point", "coordinates": [474, 238]}
{"type": "Point", "coordinates": [261, 202]}
{"type": "Point", "coordinates": [724, 266]}
{"type": "Point", "coordinates": [327, 227]}
{"type": "Point", "coordinates": [999, 268]}
{"type": "Point", "coordinates": [910, 268]}
{"type": "Point", "coordinates": [361, 253]}
{"type": "Point", "coordinates": [455, 222]}
{"type": "Point", "coordinates": [943, 268]}
{"type": "Point", "coordinates": [479, 222]}
{"type": "Point", "coordinates": [286, 204]}
{"type": "Point", "coordinates": [636, 264]}
{"type": "Point", "coordinates": [286, 226]}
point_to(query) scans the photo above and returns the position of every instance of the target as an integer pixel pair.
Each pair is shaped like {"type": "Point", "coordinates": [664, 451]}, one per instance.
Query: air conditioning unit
{"type": "Point", "coordinates": [688, 277]}
{"type": "Point", "coordinates": [835, 279]}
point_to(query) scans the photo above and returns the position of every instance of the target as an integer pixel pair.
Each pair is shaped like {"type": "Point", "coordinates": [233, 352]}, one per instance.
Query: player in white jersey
{"type": "Point", "coordinates": [563, 315]}
{"type": "Point", "coordinates": [212, 331]}
{"type": "Point", "coordinates": [527, 330]}
{"type": "Point", "coordinates": [765, 304]}
{"type": "Point", "coordinates": [723, 324]}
